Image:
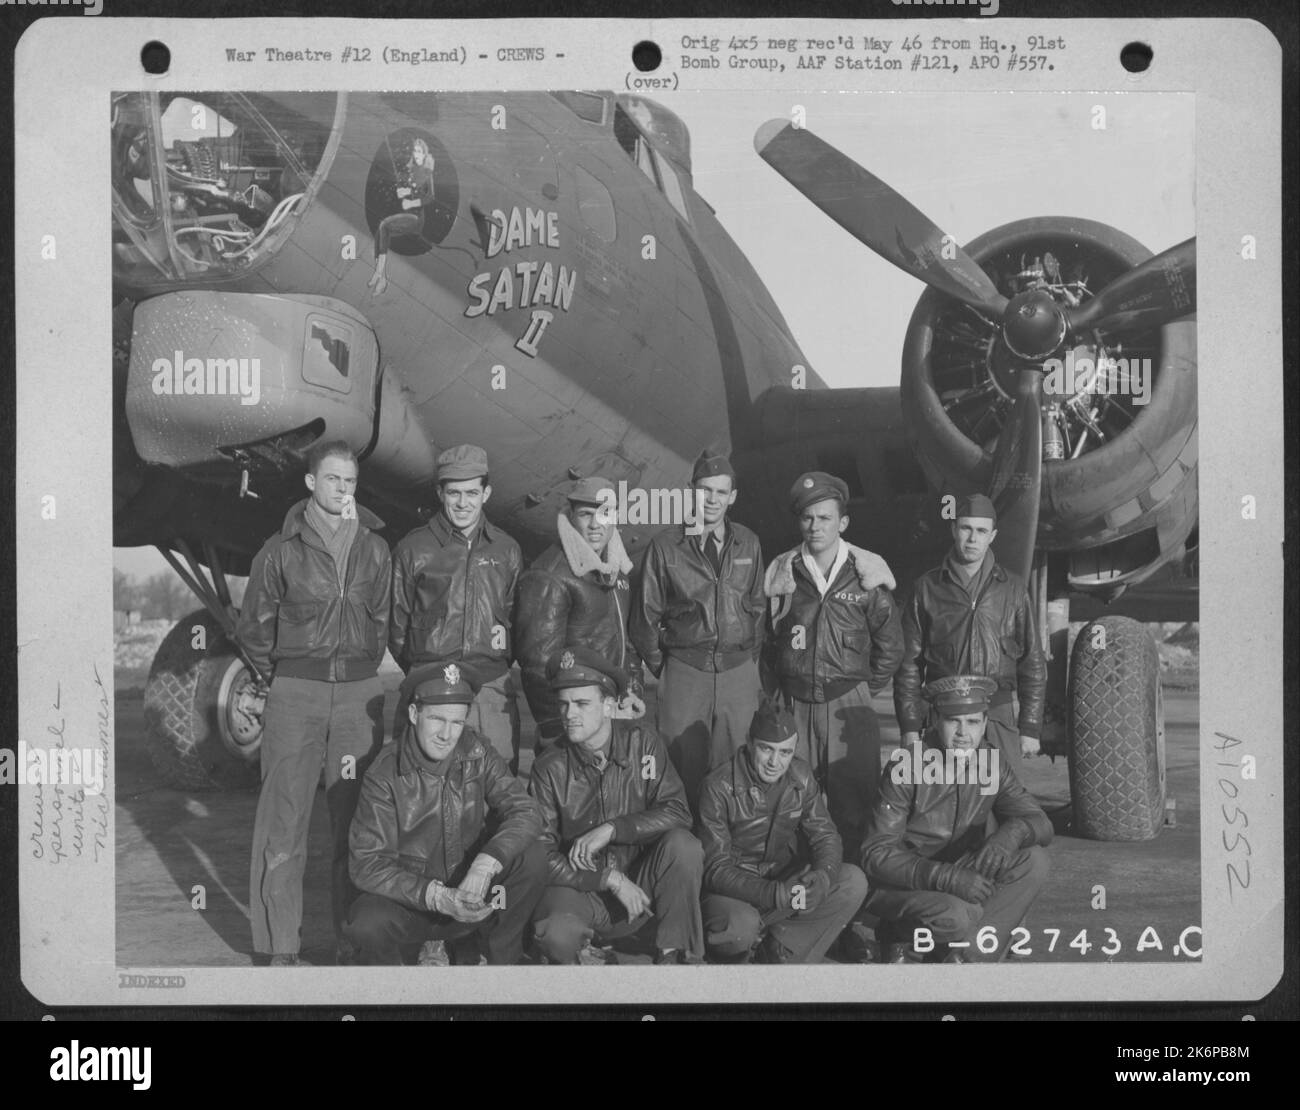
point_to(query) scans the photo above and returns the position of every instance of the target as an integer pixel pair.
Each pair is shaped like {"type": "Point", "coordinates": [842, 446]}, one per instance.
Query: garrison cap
{"type": "Point", "coordinates": [459, 464]}
{"type": "Point", "coordinates": [816, 486]}
{"type": "Point", "coordinates": [772, 724]}
{"type": "Point", "coordinates": [591, 491]}
{"type": "Point", "coordinates": [712, 466]}
{"type": "Point", "coordinates": [976, 504]}
{"type": "Point", "coordinates": [960, 693]}
{"type": "Point", "coordinates": [580, 666]}
{"type": "Point", "coordinates": [446, 683]}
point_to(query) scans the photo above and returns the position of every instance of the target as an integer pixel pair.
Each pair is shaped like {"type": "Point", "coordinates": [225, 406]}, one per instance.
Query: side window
{"type": "Point", "coordinates": [672, 187]}
{"type": "Point", "coordinates": [595, 205]}
{"type": "Point", "coordinates": [629, 138]}
{"type": "Point", "coordinates": [587, 106]}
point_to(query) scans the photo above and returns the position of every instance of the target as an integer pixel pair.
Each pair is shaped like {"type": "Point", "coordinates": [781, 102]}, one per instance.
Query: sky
{"type": "Point", "coordinates": [970, 162]}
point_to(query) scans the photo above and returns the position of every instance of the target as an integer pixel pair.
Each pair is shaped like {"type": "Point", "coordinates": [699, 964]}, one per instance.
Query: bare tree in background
{"type": "Point", "coordinates": [126, 591]}
{"type": "Point", "coordinates": [166, 596]}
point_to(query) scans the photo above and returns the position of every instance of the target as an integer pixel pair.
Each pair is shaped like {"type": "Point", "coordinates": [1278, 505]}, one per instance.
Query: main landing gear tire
{"type": "Point", "coordinates": [1117, 730]}
{"type": "Point", "coordinates": [202, 713]}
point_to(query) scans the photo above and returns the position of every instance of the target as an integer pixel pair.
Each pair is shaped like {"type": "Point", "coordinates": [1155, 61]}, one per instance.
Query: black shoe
{"type": "Point", "coordinates": [900, 953]}
{"type": "Point", "coordinates": [771, 951]}
{"type": "Point", "coordinates": [856, 945]}
{"type": "Point", "coordinates": [465, 951]}
{"type": "Point", "coordinates": [668, 956]}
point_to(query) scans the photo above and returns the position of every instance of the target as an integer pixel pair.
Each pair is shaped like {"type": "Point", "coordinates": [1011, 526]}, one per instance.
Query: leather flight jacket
{"type": "Point", "coordinates": [296, 618]}
{"type": "Point", "coordinates": [945, 633]}
{"type": "Point", "coordinates": [639, 793]}
{"type": "Point", "coordinates": [453, 598]}
{"type": "Point", "coordinates": [684, 608]}
{"type": "Point", "coordinates": [417, 821]}
{"type": "Point", "coordinates": [756, 835]}
{"type": "Point", "coordinates": [919, 826]}
{"type": "Point", "coordinates": [821, 647]}
{"type": "Point", "coordinates": [555, 608]}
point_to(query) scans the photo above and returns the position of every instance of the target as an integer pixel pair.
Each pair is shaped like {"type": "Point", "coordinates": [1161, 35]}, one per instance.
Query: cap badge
{"type": "Point", "coordinates": [808, 483]}
{"type": "Point", "coordinates": [963, 687]}
{"type": "Point", "coordinates": [567, 661]}
{"type": "Point", "coordinates": [451, 674]}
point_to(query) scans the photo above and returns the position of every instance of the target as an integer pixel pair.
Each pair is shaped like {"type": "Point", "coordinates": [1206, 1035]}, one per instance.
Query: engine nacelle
{"type": "Point", "coordinates": [215, 373]}
{"type": "Point", "coordinates": [1126, 481]}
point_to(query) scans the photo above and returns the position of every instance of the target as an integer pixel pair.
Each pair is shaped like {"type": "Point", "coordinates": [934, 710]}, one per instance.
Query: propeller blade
{"type": "Point", "coordinates": [1016, 484]}
{"type": "Point", "coordinates": [875, 214]}
{"type": "Point", "coordinates": [1155, 292]}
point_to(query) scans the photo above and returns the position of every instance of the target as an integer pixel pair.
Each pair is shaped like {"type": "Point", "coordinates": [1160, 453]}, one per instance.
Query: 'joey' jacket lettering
{"type": "Point", "coordinates": [418, 821]}
{"type": "Point", "coordinates": [822, 647]}
{"type": "Point", "coordinates": [754, 836]}
{"type": "Point", "coordinates": [295, 616]}
{"type": "Point", "coordinates": [639, 792]}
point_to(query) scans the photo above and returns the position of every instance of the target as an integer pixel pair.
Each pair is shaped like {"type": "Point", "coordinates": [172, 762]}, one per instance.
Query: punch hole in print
{"type": "Point", "coordinates": [1136, 57]}
{"type": "Point", "coordinates": [646, 56]}
{"type": "Point", "coordinates": [155, 57]}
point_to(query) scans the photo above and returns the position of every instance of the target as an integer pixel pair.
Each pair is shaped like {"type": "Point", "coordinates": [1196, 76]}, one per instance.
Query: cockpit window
{"type": "Point", "coordinates": [207, 184]}
{"type": "Point", "coordinates": [672, 187]}
{"type": "Point", "coordinates": [632, 141]}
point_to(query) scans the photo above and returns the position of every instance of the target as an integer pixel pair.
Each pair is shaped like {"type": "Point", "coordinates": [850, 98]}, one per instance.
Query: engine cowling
{"type": "Point", "coordinates": [1122, 414]}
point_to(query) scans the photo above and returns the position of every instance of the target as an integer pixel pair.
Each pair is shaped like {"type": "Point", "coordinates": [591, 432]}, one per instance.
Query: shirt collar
{"type": "Point", "coordinates": [704, 534]}
{"type": "Point", "coordinates": [814, 572]}
{"type": "Point", "coordinates": [411, 758]}
{"type": "Point", "coordinates": [616, 749]}
{"type": "Point", "coordinates": [446, 533]}
{"type": "Point", "coordinates": [989, 567]}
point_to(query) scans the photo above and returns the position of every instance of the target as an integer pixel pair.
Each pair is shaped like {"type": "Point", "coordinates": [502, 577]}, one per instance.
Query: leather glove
{"type": "Point", "coordinates": [451, 903]}
{"type": "Point", "coordinates": [479, 878]}
{"type": "Point", "coordinates": [997, 852]}
{"type": "Point", "coordinates": [965, 882]}
{"type": "Point", "coordinates": [816, 884]}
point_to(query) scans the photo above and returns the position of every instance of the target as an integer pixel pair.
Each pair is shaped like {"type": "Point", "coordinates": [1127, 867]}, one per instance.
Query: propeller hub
{"type": "Point", "coordinates": [1033, 325]}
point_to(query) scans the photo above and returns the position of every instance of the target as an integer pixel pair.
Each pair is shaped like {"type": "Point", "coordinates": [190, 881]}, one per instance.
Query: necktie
{"type": "Point", "coordinates": [713, 552]}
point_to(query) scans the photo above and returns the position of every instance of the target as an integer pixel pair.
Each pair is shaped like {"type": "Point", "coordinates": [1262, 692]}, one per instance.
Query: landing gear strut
{"type": "Point", "coordinates": [204, 699]}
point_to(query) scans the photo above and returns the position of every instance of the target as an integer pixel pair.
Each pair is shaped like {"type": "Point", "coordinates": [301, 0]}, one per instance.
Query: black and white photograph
{"type": "Point", "coordinates": [737, 524]}
{"type": "Point", "coordinates": [502, 313]}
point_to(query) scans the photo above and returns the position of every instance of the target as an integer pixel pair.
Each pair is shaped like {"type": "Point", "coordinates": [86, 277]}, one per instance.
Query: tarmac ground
{"type": "Point", "coordinates": [168, 841]}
